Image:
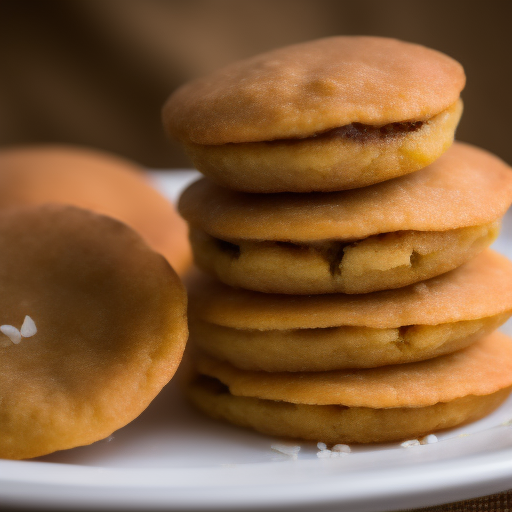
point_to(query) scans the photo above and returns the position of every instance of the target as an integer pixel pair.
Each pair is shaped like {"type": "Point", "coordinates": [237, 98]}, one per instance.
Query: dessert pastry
{"type": "Point", "coordinates": [380, 237]}
{"type": "Point", "coordinates": [353, 237]}
{"type": "Point", "coordinates": [275, 333]}
{"type": "Point", "coordinates": [331, 114]}
{"type": "Point", "coordinates": [106, 331]}
{"type": "Point", "coordinates": [360, 406]}
{"type": "Point", "coordinates": [97, 181]}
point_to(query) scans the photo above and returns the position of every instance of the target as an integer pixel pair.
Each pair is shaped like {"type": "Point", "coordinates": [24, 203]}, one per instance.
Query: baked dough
{"type": "Point", "coordinates": [331, 114]}
{"type": "Point", "coordinates": [300, 90]}
{"type": "Point", "coordinates": [110, 315]}
{"type": "Point", "coordinates": [257, 331]}
{"type": "Point", "coordinates": [478, 289]}
{"type": "Point", "coordinates": [384, 236]}
{"type": "Point", "coordinates": [335, 424]}
{"type": "Point", "coordinates": [334, 348]}
{"type": "Point", "coordinates": [339, 159]}
{"type": "Point", "coordinates": [481, 369]}
{"type": "Point", "coordinates": [379, 262]}
{"type": "Point", "coordinates": [104, 183]}
{"type": "Point", "coordinates": [361, 406]}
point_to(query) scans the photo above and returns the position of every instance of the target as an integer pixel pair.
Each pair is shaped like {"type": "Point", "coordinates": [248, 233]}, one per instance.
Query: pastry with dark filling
{"type": "Point", "coordinates": [331, 114]}
{"type": "Point", "coordinates": [277, 333]}
{"type": "Point", "coordinates": [384, 236]}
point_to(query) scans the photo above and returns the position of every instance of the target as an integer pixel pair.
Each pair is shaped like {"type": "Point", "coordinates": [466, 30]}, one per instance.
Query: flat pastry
{"type": "Point", "coordinates": [104, 183]}
{"type": "Point", "coordinates": [360, 406]}
{"type": "Point", "coordinates": [106, 328]}
{"type": "Point", "coordinates": [256, 331]}
{"type": "Point", "coordinates": [332, 114]}
{"type": "Point", "coordinates": [380, 237]}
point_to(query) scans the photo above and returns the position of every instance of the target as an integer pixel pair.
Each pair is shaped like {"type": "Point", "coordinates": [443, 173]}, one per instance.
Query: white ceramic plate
{"type": "Point", "coordinates": [174, 458]}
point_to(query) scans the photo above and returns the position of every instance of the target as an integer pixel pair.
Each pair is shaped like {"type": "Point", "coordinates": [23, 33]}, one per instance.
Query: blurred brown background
{"type": "Point", "coordinates": [96, 72]}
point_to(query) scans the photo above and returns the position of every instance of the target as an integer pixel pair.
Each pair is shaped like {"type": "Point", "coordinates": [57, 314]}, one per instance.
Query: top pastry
{"type": "Point", "coordinates": [331, 94]}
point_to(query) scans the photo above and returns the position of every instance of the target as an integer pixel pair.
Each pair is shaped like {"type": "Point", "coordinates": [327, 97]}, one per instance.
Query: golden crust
{"type": "Point", "coordinates": [302, 89]}
{"type": "Point", "coordinates": [111, 328]}
{"type": "Point", "coordinates": [465, 187]}
{"type": "Point", "coordinates": [481, 369]}
{"type": "Point", "coordinates": [97, 181]}
{"type": "Point", "coordinates": [480, 288]}
{"type": "Point", "coordinates": [326, 163]}
{"type": "Point", "coordinates": [333, 424]}
{"type": "Point", "coordinates": [334, 348]}
{"type": "Point", "coordinates": [379, 262]}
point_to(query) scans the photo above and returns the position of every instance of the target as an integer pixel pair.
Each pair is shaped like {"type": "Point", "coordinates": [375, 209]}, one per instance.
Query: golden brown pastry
{"type": "Point", "coordinates": [332, 114]}
{"type": "Point", "coordinates": [361, 406]}
{"type": "Point", "coordinates": [256, 331]}
{"type": "Point", "coordinates": [380, 237]}
{"type": "Point", "coordinates": [110, 321]}
{"type": "Point", "coordinates": [104, 183]}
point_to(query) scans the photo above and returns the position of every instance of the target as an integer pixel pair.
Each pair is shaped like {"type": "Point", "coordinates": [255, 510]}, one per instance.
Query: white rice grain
{"type": "Point", "coordinates": [411, 442]}
{"type": "Point", "coordinates": [341, 448]}
{"type": "Point", "coordinates": [11, 332]}
{"type": "Point", "coordinates": [28, 328]}
{"type": "Point", "coordinates": [286, 449]}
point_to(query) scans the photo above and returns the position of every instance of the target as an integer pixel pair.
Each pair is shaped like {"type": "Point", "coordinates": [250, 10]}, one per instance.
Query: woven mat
{"type": "Point", "coordinates": [496, 503]}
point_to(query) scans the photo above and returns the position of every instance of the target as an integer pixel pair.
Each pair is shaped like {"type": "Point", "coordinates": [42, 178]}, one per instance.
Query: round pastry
{"type": "Point", "coordinates": [103, 328]}
{"type": "Point", "coordinates": [96, 181]}
{"type": "Point", "coordinates": [361, 406]}
{"type": "Point", "coordinates": [331, 114]}
{"type": "Point", "coordinates": [277, 333]}
{"type": "Point", "coordinates": [384, 236]}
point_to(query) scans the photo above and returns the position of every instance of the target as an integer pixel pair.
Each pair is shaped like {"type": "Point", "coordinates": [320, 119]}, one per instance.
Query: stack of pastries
{"type": "Point", "coordinates": [348, 294]}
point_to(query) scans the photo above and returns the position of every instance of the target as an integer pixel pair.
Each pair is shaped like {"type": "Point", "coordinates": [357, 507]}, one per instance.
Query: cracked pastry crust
{"type": "Point", "coordinates": [343, 158]}
{"type": "Point", "coordinates": [370, 405]}
{"type": "Point", "coordinates": [379, 262]}
{"type": "Point", "coordinates": [379, 237]}
{"type": "Point", "coordinates": [334, 348]}
{"type": "Point", "coordinates": [257, 331]}
{"type": "Point", "coordinates": [484, 282]}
